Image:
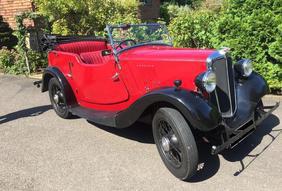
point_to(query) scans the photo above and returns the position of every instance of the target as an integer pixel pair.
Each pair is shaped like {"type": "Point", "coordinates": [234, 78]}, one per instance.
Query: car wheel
{"type": "Point", "coordinates": [58, 99]}
{"type": "Point", "coordinates": [175, 143]}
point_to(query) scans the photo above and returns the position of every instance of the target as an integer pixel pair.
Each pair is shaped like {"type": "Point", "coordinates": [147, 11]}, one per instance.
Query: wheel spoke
{"type": "Point", "coordinates": [60, 103]}
{"type": "Point", "coordinates": [162, 132]}
{"type": "Point", "coordinates": [175, 157]}
{"type": "Point", "coordinates": [175, 148]}
{"type": "Point", "coordinates": [173, 152]}
{"type": "Point", "coordinates": [178, 157]}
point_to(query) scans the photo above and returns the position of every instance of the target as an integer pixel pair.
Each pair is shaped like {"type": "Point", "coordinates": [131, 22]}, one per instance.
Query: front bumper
{"type": "Point", "coordinates": [230, 137]}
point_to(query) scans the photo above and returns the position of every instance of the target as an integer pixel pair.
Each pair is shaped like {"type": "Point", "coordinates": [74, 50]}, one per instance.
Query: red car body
{"type": "Point", "coordinates": [144, 69]}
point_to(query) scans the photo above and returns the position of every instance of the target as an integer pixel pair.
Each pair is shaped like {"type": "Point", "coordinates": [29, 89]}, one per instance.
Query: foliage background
{"type": "Point", "coordinates": [88, 16]}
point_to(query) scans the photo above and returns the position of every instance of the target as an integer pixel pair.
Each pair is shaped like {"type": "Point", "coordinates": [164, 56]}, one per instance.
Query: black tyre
{"type": "Point", "coordinates": [175, 143]}
{"type": "Point", "coordinates": [58, 99]}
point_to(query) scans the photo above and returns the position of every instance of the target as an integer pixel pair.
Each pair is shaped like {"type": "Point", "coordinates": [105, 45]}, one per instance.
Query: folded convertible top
{"type": "Point", "coordinates": [49, 41]}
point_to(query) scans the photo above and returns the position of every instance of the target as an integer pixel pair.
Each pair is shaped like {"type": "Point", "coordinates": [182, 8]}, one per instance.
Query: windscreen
{"type": "Point", "coordinates": [125, 36]}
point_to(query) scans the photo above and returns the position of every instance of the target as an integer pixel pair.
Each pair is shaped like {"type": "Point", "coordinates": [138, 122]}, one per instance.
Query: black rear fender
{"type": "Point", "coordinates": [51, 72]}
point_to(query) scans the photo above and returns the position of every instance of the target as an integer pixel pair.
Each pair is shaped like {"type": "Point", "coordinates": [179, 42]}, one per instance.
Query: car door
{"type": "Point", "coordinates": [99, 83]}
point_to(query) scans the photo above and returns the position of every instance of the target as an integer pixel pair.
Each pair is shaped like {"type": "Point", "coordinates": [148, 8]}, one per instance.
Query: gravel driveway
{"type": "Point", "coordinates": [40, 151]}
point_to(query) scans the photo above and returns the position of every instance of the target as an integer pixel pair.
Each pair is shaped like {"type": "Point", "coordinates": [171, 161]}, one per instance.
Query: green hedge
{"type": "Point", "coordinates": [193, 29]}
{"type": "Point", "coordinates": [251, 28]}
{"type": "Point", "coordinates": [12, 62]}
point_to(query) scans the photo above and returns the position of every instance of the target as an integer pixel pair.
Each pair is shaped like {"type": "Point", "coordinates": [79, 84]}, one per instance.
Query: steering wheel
{"type": "Point", "coordinates": [125, 41]}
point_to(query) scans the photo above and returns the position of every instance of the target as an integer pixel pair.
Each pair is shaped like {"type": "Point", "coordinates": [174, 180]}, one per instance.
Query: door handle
{"type": "Point", "coordinates": [115, 77]}
{"type": "Point", "coordinates": [70, 70]}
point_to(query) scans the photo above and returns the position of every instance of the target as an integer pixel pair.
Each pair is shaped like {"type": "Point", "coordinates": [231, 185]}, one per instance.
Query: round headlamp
{"type": "Point", "coordinates": [209, 81]}
{"type": "Point", "coordinates": [206, 81]}
{"type": "Point", "coordinates": [244, 67]}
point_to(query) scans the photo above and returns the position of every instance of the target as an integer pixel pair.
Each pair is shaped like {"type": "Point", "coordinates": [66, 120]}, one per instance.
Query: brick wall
{"type": "Point", "coordinates": [149, 9]}
{"type": "Point", "coordinates": [10, 8]}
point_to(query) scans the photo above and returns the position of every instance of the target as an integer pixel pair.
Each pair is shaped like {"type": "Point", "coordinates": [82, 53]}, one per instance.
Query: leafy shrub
{"type": "Point", "coordinates": [275, 48]}
{"type": "Point", "coordinates": [214, 5]}
{"type": "Point", "coordinates": [191, 3]}
{"type": "Point", "coordinates": [193, 29]}
{"type": "Point", "coordinates": [169, 11]}
{"type": "Point", "coordinates": [125, 12]}
{"type": "Point", "coordinates": [252, 28]}
{"type": "Point", "coordinates": [12, 62]}
{"type": "Point", "coordinates": [86, 17]}
{"type": "Point", "coordinates": [37, 61]}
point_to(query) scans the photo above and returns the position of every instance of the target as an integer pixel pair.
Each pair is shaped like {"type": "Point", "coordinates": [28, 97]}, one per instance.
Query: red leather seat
{"type": "Point", "coordinates": [94, 57]}
{"type": "Point", "coordinates": [82, 46]}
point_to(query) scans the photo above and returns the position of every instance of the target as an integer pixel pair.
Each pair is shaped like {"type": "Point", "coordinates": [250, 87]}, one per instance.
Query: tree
{"type": "Point", "coordinates": [86, 17]}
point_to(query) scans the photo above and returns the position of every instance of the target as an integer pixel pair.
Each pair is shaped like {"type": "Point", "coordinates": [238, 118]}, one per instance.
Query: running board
{"type": "Point", "coordinates": [107, 118]}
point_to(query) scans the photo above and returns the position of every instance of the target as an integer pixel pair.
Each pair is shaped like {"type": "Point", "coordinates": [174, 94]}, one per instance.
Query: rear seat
{"type": "Point", "coordinates": [82, 46]}
{"type": "Point", "coordinates": [89, 51]}
{"type": "Point", "coordinates": [94, 57]}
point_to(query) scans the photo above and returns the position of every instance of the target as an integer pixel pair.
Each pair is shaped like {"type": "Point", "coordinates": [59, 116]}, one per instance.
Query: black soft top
{"type": "Point", "coordinates": [50, 41]}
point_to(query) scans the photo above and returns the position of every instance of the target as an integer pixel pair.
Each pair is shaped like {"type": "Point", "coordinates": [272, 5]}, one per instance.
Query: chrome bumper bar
{"type": "Point", "coordinates": [243, 132]}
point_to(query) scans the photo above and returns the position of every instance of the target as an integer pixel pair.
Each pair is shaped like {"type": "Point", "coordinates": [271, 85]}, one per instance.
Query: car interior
{"type": "Point", "coordinates": [90, 52]}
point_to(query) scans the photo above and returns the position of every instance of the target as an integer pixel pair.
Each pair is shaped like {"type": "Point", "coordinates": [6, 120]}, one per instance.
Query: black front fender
{"type": "Point", "coordinates": [252, 89]}
{"type": "Point", "coordinates": [199, 113]}
{"type": "Point", "coordinates": [249, 93]}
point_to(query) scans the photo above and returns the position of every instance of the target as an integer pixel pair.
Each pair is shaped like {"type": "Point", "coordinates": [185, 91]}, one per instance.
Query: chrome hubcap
{"type": "Point", "coordinates": [165, 144]}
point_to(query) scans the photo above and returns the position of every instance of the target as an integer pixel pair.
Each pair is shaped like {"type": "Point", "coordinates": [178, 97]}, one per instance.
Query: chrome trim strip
{"type": "Point", "coordinates": [216, 97]}
{"type": "Point", "coordinates": [230, 112]}
{"type": "Point", "coordinates": [235, 92]}
{"type": "Point", "coordinates": [212, 59]}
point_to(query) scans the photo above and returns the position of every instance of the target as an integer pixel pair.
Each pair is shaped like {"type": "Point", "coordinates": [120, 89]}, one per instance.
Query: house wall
{"type": "Point", "coordinates": [10, 8]}
{"type": "Point", "coordinates": [151, 10]}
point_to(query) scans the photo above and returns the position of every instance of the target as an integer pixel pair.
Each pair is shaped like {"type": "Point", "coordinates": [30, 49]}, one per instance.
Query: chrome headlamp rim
{"type": "Point", "coordinates": [209, 81]}
{"type": "Point", "coordinates": [244, 67]}
{"type": "Point", "coordinates": [206, 81]}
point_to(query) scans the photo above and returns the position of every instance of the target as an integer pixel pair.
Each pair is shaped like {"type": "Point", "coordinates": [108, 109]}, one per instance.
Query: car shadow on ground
{"type": "Point", "coordinates": [142, 133]}
{"type": "Point", "coordinates": [208, 164]}
{"type": "Point", "coordinates": [243, 150]}
{"type": "Point", "coordinates": [139, 132]}
{"type": "Point", "coordinates": [30, 112]}
{"type": "Point", "coordinates": [211, 163]}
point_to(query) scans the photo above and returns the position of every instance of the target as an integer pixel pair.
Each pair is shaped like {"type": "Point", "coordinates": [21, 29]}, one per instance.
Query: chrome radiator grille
{"type": "Point", "coordinates": [224, 95]}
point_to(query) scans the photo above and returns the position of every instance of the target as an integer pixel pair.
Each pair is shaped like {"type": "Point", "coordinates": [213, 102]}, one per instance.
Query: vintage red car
{"type": "Point", "coordinates": [135, 73]}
